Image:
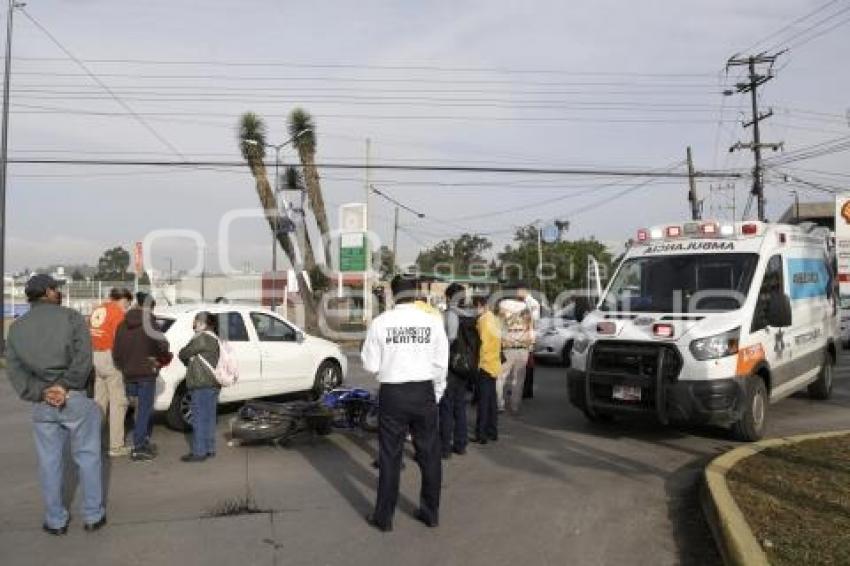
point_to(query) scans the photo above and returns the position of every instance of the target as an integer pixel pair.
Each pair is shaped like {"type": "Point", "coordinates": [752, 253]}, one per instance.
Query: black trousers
{"type": "Point", "coordinates": [487, 423]}
{"type": "Point", "coordinates": [453, 433]}
{"type": "Point", "coordinates": [407, 407]}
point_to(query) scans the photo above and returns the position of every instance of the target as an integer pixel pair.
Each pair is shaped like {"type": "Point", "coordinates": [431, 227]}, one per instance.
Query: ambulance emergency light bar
{"type": "Point", "coordinates": [698, 230]}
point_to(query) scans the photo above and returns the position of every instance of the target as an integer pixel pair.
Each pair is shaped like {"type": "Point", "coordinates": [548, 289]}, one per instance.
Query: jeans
{"type": "Point", "coordinates": [514, 370]}
{"type": "Point", "coordinates": [204, 404]}
{"type": "Point", "coordinates": [144, 391]}
{"type": "Point", "coordinates": [453, 415]}
{"type": "Point", "coordinates": [487, 422]}
{"type": "Point", "coordinates": [78, 421]}
{"type": "Point", "coordinates": [407, 407]}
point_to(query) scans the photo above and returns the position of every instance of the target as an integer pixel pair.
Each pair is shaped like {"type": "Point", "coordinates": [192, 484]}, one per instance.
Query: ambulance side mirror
{"type": "Point", "coordinates": [779, 310]}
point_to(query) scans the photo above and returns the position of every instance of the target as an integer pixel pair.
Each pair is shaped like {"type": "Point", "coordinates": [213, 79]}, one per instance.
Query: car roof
{"type": "Point", "coordinates": [177, 310]}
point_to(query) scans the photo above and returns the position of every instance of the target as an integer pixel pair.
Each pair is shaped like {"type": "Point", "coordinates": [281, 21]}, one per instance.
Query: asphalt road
{"type": "Point", "coordinates": [554, 490]}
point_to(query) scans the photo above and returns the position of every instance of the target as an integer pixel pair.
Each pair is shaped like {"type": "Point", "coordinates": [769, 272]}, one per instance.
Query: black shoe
{"type": "Point", "coordinates": [143, 454]}
{"type": "Point", "coordinates": [420, 516]}
{"type": "Point", "coordinates": [494, 438]}
{"type": "Point", "coordinates": [383, 528]}
{"type": "Point", "coordinates": [55, 532]}
{"type": "Point", "coordinates": [480, 440]}
{"type": "Point", "coordinates": [210, 454]}
{"type": "Point", "coordinates": [459, 451]}
{"type": "Point", "coordinates": [190, 458]}
{"type": "Point", "coordinates": [92, 527]}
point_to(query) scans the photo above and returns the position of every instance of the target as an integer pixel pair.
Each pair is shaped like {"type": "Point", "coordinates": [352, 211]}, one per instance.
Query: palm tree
{"type": "Point", "coordinates": [302, 130]}
{"type": "Point", "coordinates": [293, 181]}
{"type": "Point", "coordinates": [252, 140]}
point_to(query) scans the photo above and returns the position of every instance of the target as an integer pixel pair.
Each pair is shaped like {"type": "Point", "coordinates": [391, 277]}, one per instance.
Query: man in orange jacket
{"type": "Point", "coordinates": [109, 392]}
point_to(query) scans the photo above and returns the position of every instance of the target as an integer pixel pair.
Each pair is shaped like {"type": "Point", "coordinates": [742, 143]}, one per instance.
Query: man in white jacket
{"type": "Point", "coordinates": [408, 349]}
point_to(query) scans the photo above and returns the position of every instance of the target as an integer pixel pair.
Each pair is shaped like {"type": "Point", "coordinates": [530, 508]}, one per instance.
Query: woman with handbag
{"type": "Point", "coordinates": [203, 385]}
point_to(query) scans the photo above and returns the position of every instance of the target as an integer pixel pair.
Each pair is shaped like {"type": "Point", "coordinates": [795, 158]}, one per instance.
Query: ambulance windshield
{"type": "Point", "coordinates": [697, 283]}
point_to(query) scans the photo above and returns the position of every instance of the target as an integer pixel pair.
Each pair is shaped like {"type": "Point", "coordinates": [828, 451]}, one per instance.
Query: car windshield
{"type": "Point", "coordinates": [681, 283]}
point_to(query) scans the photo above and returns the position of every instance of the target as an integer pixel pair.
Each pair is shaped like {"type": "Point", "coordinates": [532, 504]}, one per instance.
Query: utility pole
{"type": "Point", "coordinates": [755, 80]}
{"type": "Point", "coordinates": [4, 154]}
{"type": "Point", "coordinates": [367, 287]}
{"type": "Point", "coordinates": [696, 213]}
{"type": "Point", "coordinates": [395, 239]}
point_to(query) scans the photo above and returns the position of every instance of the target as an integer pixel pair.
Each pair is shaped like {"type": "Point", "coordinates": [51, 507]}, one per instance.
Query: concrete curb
{"type": "Point", "coordinates": [736, 541]}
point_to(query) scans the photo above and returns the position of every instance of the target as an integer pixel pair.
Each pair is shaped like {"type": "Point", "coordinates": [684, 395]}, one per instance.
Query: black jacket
{"type": "Point", "coordinates": [139, 347]}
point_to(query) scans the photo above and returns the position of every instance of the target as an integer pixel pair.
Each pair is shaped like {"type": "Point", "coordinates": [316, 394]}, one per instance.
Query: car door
{"type": "Point", "coordinates": [810, 280]}
{"type": "Point", "coordinates": [234, 328]}
{"type": "Point", "coordinates": [286, 364]}
{"type": "Point", "coordinates": [776, 342]}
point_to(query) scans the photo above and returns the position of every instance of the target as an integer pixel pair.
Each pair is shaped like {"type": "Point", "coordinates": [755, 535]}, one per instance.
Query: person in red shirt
{"type": "Point", "coordinates": [109, 391]}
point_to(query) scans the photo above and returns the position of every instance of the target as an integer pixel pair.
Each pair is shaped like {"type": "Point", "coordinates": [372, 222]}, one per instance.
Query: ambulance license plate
{"type": "Point", "coordinates": [626, 393]}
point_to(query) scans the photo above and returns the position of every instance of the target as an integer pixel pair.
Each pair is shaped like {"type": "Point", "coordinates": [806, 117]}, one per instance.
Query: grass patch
{"type": "Point", "coordinates": [796, 499]}
{"type": "Point", "coordinates": [235, 507]}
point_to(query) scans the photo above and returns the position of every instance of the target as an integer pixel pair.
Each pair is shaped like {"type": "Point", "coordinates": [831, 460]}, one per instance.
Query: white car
{"type": "Point", "coordinates": [555, 337]}
{"type": "Point", "coordinates": [273, 355]}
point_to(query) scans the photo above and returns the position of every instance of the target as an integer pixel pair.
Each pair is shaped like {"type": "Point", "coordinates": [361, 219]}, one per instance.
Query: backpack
{"type": "Point", "coordinates": [463, 352]}
{"type": "Point", "coordinates": [226, 372]}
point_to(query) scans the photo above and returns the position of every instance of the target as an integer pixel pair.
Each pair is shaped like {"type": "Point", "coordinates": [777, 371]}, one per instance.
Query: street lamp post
{"type": "Point", "coordinates": [276, 189]}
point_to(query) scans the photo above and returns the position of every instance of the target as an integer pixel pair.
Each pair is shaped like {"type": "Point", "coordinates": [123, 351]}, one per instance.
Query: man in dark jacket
{"type": "Point", "coordinates": [49, 361]}
{"type": "Point", "coordinates": [139, 352]}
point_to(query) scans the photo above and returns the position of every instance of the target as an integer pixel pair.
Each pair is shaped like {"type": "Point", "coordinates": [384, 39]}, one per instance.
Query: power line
{"type": "Point", "coordinates": [371, 67]}
{"type": "Point", "coordinates": [788, 41]}
{"type": "Point", "coordinates": [788, 26]}
{"type": "Point", "coordinates": [103, 85]}
{"type": "Point", "coordinates": [391, 167]}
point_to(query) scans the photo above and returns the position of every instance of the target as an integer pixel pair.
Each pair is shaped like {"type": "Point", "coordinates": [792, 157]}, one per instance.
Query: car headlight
{"type": "Point", "coordinates": [717, 346]}
{"type": "Point", "coordinates": [580, 344]}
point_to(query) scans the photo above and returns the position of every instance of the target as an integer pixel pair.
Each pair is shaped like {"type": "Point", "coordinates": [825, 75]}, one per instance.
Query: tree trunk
{"type": "Point", "coordinates": [267, 201]}
{"type": "Point", "coordinates": [317, 201]}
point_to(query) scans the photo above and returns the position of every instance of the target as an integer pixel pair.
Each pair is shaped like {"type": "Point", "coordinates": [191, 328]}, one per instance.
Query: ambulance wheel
{"type": "Point", "coordinates": [751, 426]}
{"type": "Point", "coordinates": [822, 388]}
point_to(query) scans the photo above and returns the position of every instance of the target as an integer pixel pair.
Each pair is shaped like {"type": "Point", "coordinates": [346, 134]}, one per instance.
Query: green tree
{"type": "Point", "coordinates": [113, 265]}
{"type": "Point", "coordinates": [386, 263]}
{"type": "Point", "coordinates": [457, 256]}
{"type": "Point", "coordinates": [252, 144]}
{"type": "Point", "coordinates": [302, 130]}
{"type": "Point", "coordinates": [565, 262]}
{"type": "Point", "coordinates": [77, 275]}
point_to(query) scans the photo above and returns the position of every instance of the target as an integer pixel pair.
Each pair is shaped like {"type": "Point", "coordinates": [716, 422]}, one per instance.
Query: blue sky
{"type": "Point", "coordinates": [558, 84]}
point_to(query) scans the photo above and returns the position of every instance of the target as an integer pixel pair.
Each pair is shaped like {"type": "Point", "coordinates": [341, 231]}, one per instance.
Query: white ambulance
{"type": "Point", "coordinates": [705, 322]}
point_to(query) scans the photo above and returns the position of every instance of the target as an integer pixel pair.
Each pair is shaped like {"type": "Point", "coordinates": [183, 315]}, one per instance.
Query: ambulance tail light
{"type": "Point", "coordinates": [708, 229]}
{"type": "Point", "coordinates": [674, 231]}
{"type": "Point", "coordinates": [749, 229]}
{"type": "Point", "coordinates": [607, 328]}
{"type": "Point", "coordinates": [642, 235]}
{"type": "Point", "coordinates": [663, 330]}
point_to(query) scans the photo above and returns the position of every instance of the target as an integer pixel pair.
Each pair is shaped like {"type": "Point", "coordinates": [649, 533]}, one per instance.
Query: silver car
{"type": "Point", "coordinates": [555, 336]}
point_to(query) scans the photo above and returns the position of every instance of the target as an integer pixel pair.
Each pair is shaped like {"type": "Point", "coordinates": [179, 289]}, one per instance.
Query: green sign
{"type": "Point", "coordinates": [352, 258]}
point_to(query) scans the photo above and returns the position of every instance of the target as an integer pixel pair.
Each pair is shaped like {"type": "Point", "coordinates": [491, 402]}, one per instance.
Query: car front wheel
{"type": "Point", "coordinates": [751, 426]}
{"type": "Point", "coordinates": [179, 414]}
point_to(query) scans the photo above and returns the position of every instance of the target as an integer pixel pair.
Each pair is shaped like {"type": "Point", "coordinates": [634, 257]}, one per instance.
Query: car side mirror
{"type": "Point", "coordinates": [779, 310]}
{"type": "Point", "coordinates": [299, 337]}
